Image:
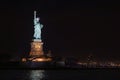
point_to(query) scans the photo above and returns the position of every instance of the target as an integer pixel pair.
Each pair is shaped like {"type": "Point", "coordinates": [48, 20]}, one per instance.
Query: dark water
{"type": "Point", "coordinates": [61, 74]}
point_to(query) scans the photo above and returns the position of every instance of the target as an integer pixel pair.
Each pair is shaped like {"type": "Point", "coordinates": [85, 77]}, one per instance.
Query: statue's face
{"type": "Point", "coordinates": [37, 19]}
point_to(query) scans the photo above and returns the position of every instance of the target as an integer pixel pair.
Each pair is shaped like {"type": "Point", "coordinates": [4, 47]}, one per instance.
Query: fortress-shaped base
{"type": "Point", "coordinates": [37, 53]}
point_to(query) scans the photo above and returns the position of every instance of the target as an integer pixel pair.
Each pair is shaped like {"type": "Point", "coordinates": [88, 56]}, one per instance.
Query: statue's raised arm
{"type": "Point", "coordinates": [35, 17]}
{"type": "Point", "coordinates": [34, 14]}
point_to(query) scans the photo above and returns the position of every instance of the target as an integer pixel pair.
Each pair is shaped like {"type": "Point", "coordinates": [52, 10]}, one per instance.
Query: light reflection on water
{"type": "Point", "coordinates": [82, 74]}
{"type": "Point", "coordinates": [36, 75]}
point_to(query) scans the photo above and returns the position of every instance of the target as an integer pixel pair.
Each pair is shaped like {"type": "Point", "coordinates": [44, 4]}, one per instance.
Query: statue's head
{"type": "Point", "coordinates": [37, 19]}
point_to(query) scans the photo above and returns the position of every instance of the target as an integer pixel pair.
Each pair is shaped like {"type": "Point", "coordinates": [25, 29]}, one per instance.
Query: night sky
{"type": "Point", "coordinates": [71, 28]}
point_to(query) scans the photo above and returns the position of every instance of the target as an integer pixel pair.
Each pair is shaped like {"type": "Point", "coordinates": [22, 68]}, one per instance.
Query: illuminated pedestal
{"type": "Point", "coordinates": [37, 53]}
{"type": "Point", "coordinates": [36, 48]}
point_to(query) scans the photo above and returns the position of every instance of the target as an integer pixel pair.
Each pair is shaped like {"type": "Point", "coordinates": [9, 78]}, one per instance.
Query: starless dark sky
{"type": "Point", "coordinates": [71, 28]}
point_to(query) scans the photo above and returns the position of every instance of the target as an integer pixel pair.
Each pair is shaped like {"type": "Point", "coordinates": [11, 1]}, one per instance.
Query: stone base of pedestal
{"type": "Point", "coordinates": [38, 59]}
{"type": "Point", "coordinates": [37, 53]}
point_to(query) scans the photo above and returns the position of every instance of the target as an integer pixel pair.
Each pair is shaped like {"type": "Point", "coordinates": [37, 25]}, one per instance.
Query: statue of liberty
{"type": "Point", "coordinates": [37, 27]}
